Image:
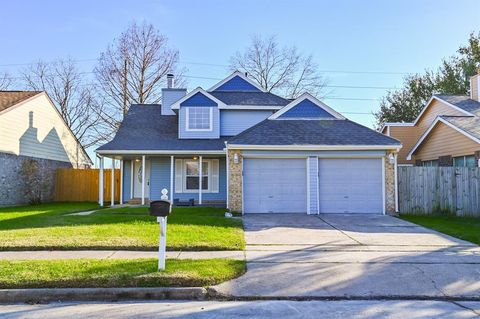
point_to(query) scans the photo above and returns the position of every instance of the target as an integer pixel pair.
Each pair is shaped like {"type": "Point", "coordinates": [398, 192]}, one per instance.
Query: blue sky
{"type": "Point", "coordinates": [353, 36]}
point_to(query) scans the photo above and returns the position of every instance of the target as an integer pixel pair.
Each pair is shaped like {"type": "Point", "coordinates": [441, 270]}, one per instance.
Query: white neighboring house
{"type": "Point", "coordinates": [32, 128]}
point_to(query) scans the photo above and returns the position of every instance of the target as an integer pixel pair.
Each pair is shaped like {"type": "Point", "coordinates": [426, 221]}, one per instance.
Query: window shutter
{"type": "Point", "coordinates": [178, 176]}
{"type": "Point", "coordinates": [214, 176]}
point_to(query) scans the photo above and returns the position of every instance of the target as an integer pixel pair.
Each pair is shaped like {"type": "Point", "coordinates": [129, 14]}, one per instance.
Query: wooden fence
{"type": "Point", "coordinates": [74, 185]}
{"type": "Point", "coordinates": [426, 190]}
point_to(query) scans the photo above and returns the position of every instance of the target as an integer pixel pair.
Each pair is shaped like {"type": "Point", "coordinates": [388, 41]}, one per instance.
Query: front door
{"type": "Point", "coordinates": [137, 179]}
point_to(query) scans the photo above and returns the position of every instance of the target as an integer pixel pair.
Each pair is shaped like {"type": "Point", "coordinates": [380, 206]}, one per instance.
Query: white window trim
{"type": "Point", "coordinates": [209, 175]}
{"type": "Point", "coordinates": [464, 157]}
{"type": "Point", "coordinates": [187, 122]}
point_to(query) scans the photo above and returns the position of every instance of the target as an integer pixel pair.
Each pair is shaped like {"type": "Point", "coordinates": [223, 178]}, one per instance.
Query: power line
{"type": "Point", "coordinates": [226, 66]}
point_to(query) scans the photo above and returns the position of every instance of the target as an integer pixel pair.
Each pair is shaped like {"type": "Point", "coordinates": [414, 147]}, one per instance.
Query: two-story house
{"type": "Point", "coordinates": [31, 128]}
{"type": "Point", "coordinates": [445, 133]}
{"type": "Point", "coordinates": [238, 145]}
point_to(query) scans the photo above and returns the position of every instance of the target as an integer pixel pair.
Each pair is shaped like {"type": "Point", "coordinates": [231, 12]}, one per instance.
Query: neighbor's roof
{"type": "Point", "coordinates": [249, 98]}
{"type": "Point", "coordinates": [10, 98]}
{"type": "Point", "coordinates": [311, 132]}
{"type": "Point", "coordinates": [145, 128]}
{"type": "Point", "coordinates": [462, 101]}
{"type": "Point", "coordinates": [468, 124]}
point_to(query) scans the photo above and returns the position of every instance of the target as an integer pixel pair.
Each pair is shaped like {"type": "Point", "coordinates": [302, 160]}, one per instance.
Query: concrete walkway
{"type": "Point", "coordinates": [353, 256]}
{"type": "Point", "coordinates": [117, 254]}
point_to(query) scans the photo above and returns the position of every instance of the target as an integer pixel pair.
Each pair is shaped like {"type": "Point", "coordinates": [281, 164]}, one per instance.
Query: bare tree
{"type": "Point", "coordinates": [72, 94]}
{"type": "Point", "coordinates": [133, 69]}
{"type": "Point", "coordinates": [5, 81]}
{"type": "Point", "coordinates": [281, 70]}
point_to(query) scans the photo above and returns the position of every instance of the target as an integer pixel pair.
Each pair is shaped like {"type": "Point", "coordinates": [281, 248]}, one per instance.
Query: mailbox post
{"type": "Point", "coordinates": [161, 209]}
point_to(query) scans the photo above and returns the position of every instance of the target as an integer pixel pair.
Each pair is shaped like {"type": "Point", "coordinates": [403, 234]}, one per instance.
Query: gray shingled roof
{"type": "Point", "coordinates": [249, 98]}
{"type": "Point", "coordinates": [462, 101]}
{"type": "Point", "coordinates": [145, 128]}
{"type": "Point", "coordinates": [311, 132]}
{"type": "Point", "coordinates": [469, 124]}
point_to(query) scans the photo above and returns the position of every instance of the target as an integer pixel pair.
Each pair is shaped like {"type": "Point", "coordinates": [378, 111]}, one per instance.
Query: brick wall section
{"type": "Point", "coordinates": [389, 186]}
{"type": "Point", "coordinates": [11, 181]}
{"type": "Point", "coordinates": [235, 181]}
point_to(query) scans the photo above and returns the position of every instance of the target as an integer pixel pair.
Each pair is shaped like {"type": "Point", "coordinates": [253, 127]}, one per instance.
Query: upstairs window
{"type": "Point", "coordinates": [199, 118]}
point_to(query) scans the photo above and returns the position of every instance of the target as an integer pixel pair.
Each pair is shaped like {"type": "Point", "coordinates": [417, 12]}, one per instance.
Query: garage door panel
{"type": "Point", "coordinates": [275, 185]}
{"type": "Point", "coordinates": [350, 185]}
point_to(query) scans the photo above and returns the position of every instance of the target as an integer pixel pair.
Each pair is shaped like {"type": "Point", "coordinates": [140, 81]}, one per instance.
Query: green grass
{"type": "Point", "coordinates": [48, 226]}
{"type": "Point", "coordinates": [466, 228]}
{"type": "Point", "coordinates": [81, 273]}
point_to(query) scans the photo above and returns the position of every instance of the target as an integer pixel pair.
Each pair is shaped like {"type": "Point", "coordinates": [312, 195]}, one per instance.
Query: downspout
{"type": "Point", "coordinates": [396, 183]}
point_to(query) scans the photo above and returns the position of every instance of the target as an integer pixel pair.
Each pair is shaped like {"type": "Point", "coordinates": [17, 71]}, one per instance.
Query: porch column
{"type": "Point", "coordinates": [200, 180]}
{"type": "Point", "coordinates": [172, 161]}
{"type": "Point", "coordinates": [143, 179]}
{"type": "Point", "coordinates": [228, 176]}
{"type": "Point", "coordinates": [100, 182]}
{"type": "Point", "coordinates": [112, 185]}
{"type": "Point", "coordinates": [132, 163]}
{"type": "Point", "coordinates": [121, 181]}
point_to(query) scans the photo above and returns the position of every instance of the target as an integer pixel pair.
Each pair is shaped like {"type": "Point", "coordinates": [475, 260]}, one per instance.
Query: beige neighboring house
{"type": "Point", "coordinates": [32, 128]}
{"type": "Point", "coordinates": [445, 133]}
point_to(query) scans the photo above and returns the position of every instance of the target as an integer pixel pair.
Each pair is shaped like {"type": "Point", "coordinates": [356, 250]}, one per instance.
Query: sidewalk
{"type": "Point", "coordinates": [117, 254]}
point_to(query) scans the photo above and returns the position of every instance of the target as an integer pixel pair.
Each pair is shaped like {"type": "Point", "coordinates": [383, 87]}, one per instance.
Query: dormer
{"type": "Point", "coordinates": [198, 115]}
{"type": "Point", "coordinates": [306, 107]}
{"type": "Point", "coordinates": [237, 82]}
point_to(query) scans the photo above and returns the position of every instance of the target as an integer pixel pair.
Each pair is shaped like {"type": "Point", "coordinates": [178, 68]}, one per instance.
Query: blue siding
{"type": "Point", "coordinates": [183, 133]}
{"type": "Point", "coordinates": [313, 184]}
{"type": "Point", "coordinates": [159, 176]}
{"type": "Point", "coordinates": [233, 122]}
{"type": "Point", "coordinates": [222, 187]}
{"type": "Point", "coordinates": [127, 180]}
{"type": "Point", "coordinates": [306, 108]}
{"type": "Point", "coordinates": [198, 99]}
{"type": "Point", "coordinates": [237, 84]}
{"type": "Point", "coordinates": [170, 96]}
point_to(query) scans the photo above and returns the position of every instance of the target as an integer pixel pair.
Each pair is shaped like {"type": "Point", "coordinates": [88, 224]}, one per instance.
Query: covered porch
{"type": "Point", "coordinates": [198, 176]}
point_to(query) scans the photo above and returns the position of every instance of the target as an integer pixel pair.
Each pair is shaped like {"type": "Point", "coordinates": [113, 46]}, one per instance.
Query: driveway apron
{"type": "Point", "coordinates": [353, 256]}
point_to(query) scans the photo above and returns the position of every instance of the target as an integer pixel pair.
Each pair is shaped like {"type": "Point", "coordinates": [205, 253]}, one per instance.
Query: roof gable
{"type": "Point", "coordinates": [237, 81]}
{"type": "Point", "coordinates": [448, 121]}
{"type": "Point", "coordinates": [443, 101]}
{"type": "Point", "coordinates": [11, 98]}
{"type": "Point", "coordinates": [306, 109]}
{"type": "Point", "coordinates": [199, 99]}
{"type": "Point", "coordinates": [237, 84]}
{"type": "Point", "coordinates": [313, 133]}
{"type": "Point", "coordinates": [306, 106]}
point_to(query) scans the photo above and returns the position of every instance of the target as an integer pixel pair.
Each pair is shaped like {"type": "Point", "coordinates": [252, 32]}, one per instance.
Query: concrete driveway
{"type": "Point", "coordinates": [353, 256]}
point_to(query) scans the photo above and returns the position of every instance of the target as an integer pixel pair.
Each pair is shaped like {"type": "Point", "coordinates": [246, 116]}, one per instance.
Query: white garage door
{"type": "Point", "coordinates": [350, 185]}
{"type": "Point", "coordinates": [274, 185]}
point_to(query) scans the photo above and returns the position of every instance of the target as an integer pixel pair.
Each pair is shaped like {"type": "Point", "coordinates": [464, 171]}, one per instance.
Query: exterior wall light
{"type": "Point", "coordinates": [391, 158]}
{"type": "Point", "coordinates": [235, 158]}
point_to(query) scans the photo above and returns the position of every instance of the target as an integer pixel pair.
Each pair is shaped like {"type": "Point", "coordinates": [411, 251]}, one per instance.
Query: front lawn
{"type": "Point", "coordinates": [82, 273]}
{"type": "Point", "coordinates": [466, 228]}
{"type": "Point", "coordinates": [48, 226]}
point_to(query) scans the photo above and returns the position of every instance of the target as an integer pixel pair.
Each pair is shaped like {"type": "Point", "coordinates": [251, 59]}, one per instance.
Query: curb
{"type": "Point", "coordinates": [43, 295]}
{"type": "Point", "coordinates": [214, 294]}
